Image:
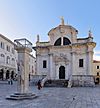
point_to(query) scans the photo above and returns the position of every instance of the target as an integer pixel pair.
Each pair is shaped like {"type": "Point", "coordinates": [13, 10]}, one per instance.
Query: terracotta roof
{"type": "Point", "coordinates": [96, 61]}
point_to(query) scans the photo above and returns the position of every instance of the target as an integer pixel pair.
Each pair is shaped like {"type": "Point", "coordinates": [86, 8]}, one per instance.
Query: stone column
{"type": "Point", "coordinates": [9, 73]}
{"type": "Point", "coordinates": [23, 70]}
{"type": "Point", "coordinates": [23, 73]}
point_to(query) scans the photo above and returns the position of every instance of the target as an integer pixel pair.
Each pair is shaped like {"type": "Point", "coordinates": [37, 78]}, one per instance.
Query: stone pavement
{"type": "Point", "coordinates": [52, 97]}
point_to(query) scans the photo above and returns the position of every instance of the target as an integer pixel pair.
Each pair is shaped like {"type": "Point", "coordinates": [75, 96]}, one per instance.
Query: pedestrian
{"type": "Point", "coordinates": [39, 85]}
{"type": "Point", "coordinates": [8, 80]}
{"type": "Point", "coordinates": [11, 81]}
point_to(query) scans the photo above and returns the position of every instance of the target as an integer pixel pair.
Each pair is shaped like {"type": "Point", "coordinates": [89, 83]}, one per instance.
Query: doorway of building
{"type": "Point", "coordinates": [1, 74]}
{"type": "Point", "coordinates": [12, 75]}
{"type": "Point", "coordinates": [7, 74]}
{"type": "Point", "coordinates": [62, 72]}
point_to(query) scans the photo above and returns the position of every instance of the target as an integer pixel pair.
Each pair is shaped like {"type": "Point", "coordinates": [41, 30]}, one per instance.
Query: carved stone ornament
{"type": "Point", "coordinates": [60, 58]}
{"type": "Point", "coordinates": [62, 30]}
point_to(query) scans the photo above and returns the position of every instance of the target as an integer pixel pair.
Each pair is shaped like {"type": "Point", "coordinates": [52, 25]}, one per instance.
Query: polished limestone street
{"type": "Point", "coordinates": [52, 97]}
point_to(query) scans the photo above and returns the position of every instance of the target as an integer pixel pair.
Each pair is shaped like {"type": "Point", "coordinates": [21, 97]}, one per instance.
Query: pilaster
{"type": "Point", "coordinates": [50, 74]}
{"type": "Point", "coordinates": [38, 64]}
{"type": "Point", "coordinates": [4, 74]}
{"type": "Point", "coordinates": [57, 70]}
{"type": "Point", "coordinates": [67, 71]}
{"type": "Point", "coordinates": [89, 62]}
{"type": "Point", "coordinates": [73, 63]}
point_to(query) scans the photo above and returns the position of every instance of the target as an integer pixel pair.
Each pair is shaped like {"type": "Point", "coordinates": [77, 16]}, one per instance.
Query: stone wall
{"type": "Point", "coordinates": [83, 80]}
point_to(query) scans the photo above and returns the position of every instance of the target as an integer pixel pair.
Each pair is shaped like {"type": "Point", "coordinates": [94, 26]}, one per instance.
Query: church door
{"type": "Point", "coordinates": [62, 72]}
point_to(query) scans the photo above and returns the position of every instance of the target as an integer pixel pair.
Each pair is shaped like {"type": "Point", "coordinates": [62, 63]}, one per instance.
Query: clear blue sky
{"type": "Point", "coordinates": [27, 18]}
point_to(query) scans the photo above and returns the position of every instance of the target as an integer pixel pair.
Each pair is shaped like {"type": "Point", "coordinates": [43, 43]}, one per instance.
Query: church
{"type": "Point", "coordinates": [65, 56]}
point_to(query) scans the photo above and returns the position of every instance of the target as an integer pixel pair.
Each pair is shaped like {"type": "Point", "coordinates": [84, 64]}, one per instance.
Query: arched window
{"type": "Point", "coordinates": [2, 45]}
{"type": "Point", "coordinates": [97, 73]}
{"type": "Point", "coordinates": [58, 42]}
{"type": "Point", "coordinates": [13, 51]}
{"type": "Point", "coordinates": [8, 48]}
{"type": "Point", "coordinates": [8, 60]}
{"type": "Point", "coordinates": [66, 41]}
{"type": "Point", "coordinates": [2, 58]}
{"type": "Point", "coordinates": [13, 59]}
{"type": "Point", "coordinates": [13, 62]}
{"type": "Point", "coordinates": [2, 55]}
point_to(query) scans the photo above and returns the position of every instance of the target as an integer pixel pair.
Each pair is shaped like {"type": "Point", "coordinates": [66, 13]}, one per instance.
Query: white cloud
{"type": "Point", "coordinates": [96, 52]}
{"type": "Point", "coordinates": [96, 55]}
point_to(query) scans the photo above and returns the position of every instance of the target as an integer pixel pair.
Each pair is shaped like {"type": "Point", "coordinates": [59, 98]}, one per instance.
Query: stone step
{"type": "Point", "coordinates": [56, 83]}
{"type": "Point", "coordinates": [21, 96]}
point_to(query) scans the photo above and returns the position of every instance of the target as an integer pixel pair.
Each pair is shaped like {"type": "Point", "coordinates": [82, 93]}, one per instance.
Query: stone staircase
{"type": "Point", "coordinates": [56, 83]}
{"type": "Point", "coordinates": [36, 78]}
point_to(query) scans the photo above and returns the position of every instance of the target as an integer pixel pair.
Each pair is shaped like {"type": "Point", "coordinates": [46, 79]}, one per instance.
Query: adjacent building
{"type": "Point", "coordinates": [8, 58]}
{"type": "Point", "coordinates": [96, 71]}
{"type": "Point", "coordinates": [32, 65]}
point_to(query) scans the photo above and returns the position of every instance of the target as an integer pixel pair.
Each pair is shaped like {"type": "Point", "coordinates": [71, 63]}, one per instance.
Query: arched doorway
{"type": "Point", "coordinates": [12, 75]}
{"type": "Point", "coordinates": [62, 72]}
{"type": "Point", "coordinates": [1, 74]}
{"type": "Point", "coordinates": [7, 74]}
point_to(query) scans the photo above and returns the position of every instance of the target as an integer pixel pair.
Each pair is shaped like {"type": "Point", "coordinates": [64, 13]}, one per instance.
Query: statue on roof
{"type": "Point", "coordinates": [62, 20]}
{"type": "Point", "coordinates": [90, 33]}
{"type": "Point", "coordinates": [38, 38]}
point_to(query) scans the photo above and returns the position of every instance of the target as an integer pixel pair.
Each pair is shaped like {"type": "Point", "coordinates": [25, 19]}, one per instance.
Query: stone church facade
{"type": "Point", "coordinates": [64, 55]}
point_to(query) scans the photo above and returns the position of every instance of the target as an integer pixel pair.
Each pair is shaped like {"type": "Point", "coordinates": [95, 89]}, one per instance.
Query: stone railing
{"type": "Point", "coordinates": [35, 78]}
{"type": "Point", "coordinates": [44, 80]}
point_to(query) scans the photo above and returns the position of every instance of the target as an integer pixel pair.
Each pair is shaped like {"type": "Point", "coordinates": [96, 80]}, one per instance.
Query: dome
{"type": "Point", "coordinates": [62, 26]}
